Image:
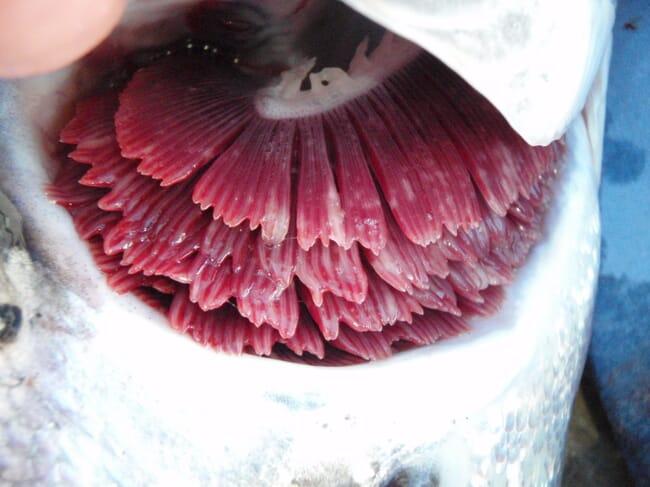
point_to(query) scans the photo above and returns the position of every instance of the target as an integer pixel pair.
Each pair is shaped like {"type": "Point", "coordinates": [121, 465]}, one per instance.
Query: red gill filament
{"type": "Point", "coordinates": [383, 223]}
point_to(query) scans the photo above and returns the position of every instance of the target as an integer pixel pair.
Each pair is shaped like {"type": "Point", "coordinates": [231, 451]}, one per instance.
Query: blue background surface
{"type": "Point", "coordinates": [619, 356]}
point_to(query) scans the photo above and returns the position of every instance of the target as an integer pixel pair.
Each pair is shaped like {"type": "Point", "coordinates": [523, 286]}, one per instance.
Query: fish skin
{"type": "Point", "coordinates": [83, 403]}
{"type": "Point", "coordinates": [514, 53]}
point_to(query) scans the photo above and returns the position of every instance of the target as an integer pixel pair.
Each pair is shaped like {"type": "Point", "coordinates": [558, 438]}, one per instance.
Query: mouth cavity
{"type": "Point", "coordinates": [278, 189]}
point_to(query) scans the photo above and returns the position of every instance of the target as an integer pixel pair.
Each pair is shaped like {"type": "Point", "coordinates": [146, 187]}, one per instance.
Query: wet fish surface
{"type": "Point", "coordinates": [92, 375]}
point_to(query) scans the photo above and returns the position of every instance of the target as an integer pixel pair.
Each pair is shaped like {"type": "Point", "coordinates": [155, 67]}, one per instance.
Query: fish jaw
{"type": "Point", "coordinates": [100, 388]}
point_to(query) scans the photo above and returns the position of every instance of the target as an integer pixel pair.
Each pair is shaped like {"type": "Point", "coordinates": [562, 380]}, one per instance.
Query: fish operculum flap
{"type": "Point", "coordinates": [219, 415]}
{"type": "Point", "coordinates": [535, 62]}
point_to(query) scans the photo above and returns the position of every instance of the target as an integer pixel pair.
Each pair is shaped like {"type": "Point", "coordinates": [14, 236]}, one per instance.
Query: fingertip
{"type": "Point", "coordinates": [38, 36]}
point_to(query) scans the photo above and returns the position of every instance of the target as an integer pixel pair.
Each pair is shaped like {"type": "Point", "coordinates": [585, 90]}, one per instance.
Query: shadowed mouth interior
{"type": "Point", "coordinates": [275, 194]}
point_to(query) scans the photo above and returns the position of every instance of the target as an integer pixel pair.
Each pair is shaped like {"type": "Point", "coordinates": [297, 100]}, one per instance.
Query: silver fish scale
{"type": "Point", "coordinates": [10, 232]}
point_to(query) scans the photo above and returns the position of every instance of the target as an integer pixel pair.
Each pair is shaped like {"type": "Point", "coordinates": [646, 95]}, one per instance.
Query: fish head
{"type": "Point", "coordinates": [99, 388]}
